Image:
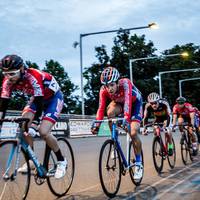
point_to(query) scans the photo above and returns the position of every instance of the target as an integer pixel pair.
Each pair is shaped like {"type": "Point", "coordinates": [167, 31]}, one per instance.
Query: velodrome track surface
{"type": "Point", "coordinates": [183, 182]}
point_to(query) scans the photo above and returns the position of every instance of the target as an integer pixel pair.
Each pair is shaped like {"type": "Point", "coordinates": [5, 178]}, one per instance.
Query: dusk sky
{"type": "Point", "coordinates": [43, 30]}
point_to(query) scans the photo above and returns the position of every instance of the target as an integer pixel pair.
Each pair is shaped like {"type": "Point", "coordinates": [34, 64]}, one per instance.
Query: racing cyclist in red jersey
{"type": "Point", "coordinates": [124, 98]}
{"type": "Point", "coordinates": [161, 111]}
{"type": "Point", "coordinates": [46, 97]}
{"type": "Point", "coordinates": [184, 112]}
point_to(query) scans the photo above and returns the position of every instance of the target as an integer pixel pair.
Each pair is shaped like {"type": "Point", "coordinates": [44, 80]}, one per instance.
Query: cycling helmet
{"type": "Point", "coordinates": [153, 97]}
{"type": "Point", "coordinates": [181, 100]}
{"type": "Point", "coordinates": [11, 62]}
{"type": "Point", "coordinates": [109, 75]}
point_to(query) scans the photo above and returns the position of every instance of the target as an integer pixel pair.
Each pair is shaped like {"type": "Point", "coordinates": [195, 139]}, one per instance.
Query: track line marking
{"type": "Point", "coordinates": [162, 180]}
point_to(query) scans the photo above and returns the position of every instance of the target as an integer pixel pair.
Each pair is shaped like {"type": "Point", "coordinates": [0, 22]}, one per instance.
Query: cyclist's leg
{"type": "Point", "coordinates": [137, 145]}
{"type": "Point", "coordinates": [52, 110]}
{"type": "Point", "coordinates": [113, 110]}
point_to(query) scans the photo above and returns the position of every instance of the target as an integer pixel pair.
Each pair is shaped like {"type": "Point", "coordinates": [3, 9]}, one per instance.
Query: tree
{"type": "Point", "coordinates": [125, 47]}
{"type": "Point", "coordinates": [67, 87]}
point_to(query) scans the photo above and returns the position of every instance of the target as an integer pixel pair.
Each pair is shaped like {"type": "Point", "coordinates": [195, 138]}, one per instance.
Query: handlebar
{"type": "Point", "coordinates": [109, 120]}
{"type": "Point", "coordinates": [17, 120]}
{"type": "Point", "coordinates": [154, 124]}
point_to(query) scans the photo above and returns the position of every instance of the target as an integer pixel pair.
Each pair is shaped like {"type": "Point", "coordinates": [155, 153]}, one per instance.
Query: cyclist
{"type": "Point", "coordinates": [161, 111]}
{"type": "Point", "coordinates": [197, 122]}
{"type": "Point", "coordinates": [184, 112]}
{"type": "Point", "coordinates": [46, 97]}
{"type": "Point", "coordinates": [125, 99]}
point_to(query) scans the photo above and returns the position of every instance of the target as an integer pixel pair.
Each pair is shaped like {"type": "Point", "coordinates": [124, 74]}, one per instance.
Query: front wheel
{"type": "Point", "coordinates": [132, 159]}
{"type": "Point", "coordinates": [157, 151]}
{"type": "Point", "coordinates": [172, 159]}
{"type": "Point", "coordinates": [11, 186]}
{"type": "Point", "coordinates": [110, 168]}
{"type": "Point", "coordinates": [60, 187]}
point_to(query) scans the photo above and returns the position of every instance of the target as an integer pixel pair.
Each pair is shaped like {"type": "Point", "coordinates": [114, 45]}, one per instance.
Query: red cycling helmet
{"type": "Point", "coordinates": [109, 75]}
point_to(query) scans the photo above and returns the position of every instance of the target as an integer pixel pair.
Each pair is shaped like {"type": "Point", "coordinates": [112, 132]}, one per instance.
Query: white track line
{"type": "Point", "coordinates": [160, 181]}
{"type": "Point", "coordinates": [3, 191]}
{"type": "Point", "coordinates": [171, 188]}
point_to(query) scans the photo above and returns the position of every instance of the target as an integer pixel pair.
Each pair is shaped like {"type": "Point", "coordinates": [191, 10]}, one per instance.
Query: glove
{"type": "Point", "coordinates": [125, 125]}
{"type": "Point", "coordinates": [95, 128]}
{"type": "Point", "coordinates": [173, 128]}
{"type": "Point", "coordinates": [145, 132]}
{"type": "Point", "coordinates": [32, 132]}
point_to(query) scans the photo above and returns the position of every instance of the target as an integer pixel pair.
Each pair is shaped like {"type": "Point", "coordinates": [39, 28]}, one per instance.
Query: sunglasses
{"type": "Point", "coordinates": [11, 74]}
{"type": "Point", "coordinates": [154, 103]}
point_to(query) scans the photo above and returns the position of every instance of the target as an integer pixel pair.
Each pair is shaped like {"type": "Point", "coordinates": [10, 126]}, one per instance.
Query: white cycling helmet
{"type": "Point", "coordinates": [109, 75]}
{"type": "Point", "coordinates": [153, 97]}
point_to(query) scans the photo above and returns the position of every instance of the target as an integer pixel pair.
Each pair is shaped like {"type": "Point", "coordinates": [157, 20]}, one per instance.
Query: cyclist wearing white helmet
{"type": "Point", "coordinates": [124, 98]}
{"type": "Point", "coordinates": [161, 112]}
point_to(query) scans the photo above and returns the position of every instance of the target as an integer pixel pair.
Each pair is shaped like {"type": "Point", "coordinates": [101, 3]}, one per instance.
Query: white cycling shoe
{"type": "Point", "coordinates": [138, 171]}
{"type": "Point", "coordinates": [61, 169]}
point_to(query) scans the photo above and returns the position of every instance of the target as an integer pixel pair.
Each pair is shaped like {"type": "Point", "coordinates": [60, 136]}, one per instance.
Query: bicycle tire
{"type": "Point", "coordinates": [172, 159]}
{"type": "Point", "coordinates": [184, 150]}
{"type": "Point", "coordinates": [16, 187]}
{"type": "Point", "coordinates": [112, 163]}
{"type": "Point", "coordinates": [59, 187]}
{"type": "Point", "coordinates": [131, 169]}
{"type": "Point", "coordinates": [157, 142]}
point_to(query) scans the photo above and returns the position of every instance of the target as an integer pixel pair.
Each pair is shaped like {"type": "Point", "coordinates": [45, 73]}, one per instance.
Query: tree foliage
{"type": "Point", "coordinates": [145, 72]}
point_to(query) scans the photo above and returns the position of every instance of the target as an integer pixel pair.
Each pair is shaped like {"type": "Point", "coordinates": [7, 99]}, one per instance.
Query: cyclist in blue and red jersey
{"type": "Point", "coordinates": [125, 99]}
{"type": "Point", "coordinates": [46, 97]}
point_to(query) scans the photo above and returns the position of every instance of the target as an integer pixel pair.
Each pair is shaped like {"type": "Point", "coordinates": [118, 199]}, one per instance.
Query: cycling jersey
{"type": "Point", "coordinates": [127, 95]}
{"type": "Point", "coordinates": [33, 82]}
{"type": "Point", "coordinates": [161, 114]}
{"type": "Point", "coordinates": [184, 111]}
{"type": "Point", "coordinates": [37, 84]}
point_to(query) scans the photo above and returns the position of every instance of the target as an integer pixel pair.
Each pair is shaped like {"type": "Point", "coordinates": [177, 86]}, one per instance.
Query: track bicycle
{"type": "Point", "coordinates": [160, 148]}
{"type": "Point", "coordinates": [112, 161]}
{"type": "Point", "coordinates": [186, 144]}
{"type": "Point", "coordinates": [15, 151]}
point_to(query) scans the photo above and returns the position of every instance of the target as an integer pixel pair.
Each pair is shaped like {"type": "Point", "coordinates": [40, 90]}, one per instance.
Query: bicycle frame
{"type": "Point", "coordinates": [114, 137]}
{"type": "Point", "coordinates": [21, 143]}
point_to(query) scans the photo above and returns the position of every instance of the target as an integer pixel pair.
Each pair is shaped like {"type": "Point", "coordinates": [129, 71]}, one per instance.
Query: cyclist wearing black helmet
{"type": "Point", "coordinates": [185, 112]}
{"type": "Point", "coordinates": [46, 97]}
{"type": "Point", "coordinates": [124, 98]}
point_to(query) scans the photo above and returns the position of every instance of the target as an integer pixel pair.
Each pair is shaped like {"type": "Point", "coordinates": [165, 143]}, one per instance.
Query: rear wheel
{"type": "Point", "coordinates": [132, 162]}
{"type": "Point", "coordinates": [184, 149]}
{"type": "Point", "coordinates": [110, 168]}
{"type": "Point", "coordinates": [11, 186]}
{"type": "Point", "coordinates": [157, 151]}
{"type": "Point", "coordinates": [60, 187]}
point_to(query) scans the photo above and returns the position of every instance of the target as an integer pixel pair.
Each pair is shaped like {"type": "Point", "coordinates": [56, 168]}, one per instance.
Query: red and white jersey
{"type": "Point", "coordinates": [185, 111]}
{"type": "Point", "coordinates": [34, 82]}
{"type": "Point", "coordinates": [127, 94]}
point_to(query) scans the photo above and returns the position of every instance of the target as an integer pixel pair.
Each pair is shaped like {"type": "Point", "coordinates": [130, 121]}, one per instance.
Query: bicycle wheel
{"type": "Point", "coordinates": [60, 187]}
{"type": "Point", "coordinates": [11, 186]}
{"type": "Point", "coordinates": [172, 159]}
{"type": "Point", "coordinates": [157, 151]}
{"type": "Point", "coordinates": [184, 149]}
{"type": "Point", "coordinates": [132, 161]}
{"type": "Point", "coordinates": [110, 168]}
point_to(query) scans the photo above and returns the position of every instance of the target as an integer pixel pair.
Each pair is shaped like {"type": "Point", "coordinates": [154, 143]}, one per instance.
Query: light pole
{"type": "Point", "coordinates": [131, 61]}
{"type": "Point", "coordinates": [152, 25]}
{"type": "Point", "coordinates": [183, 80]}
{"type": "Point", "coordinates": [173, 71]}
